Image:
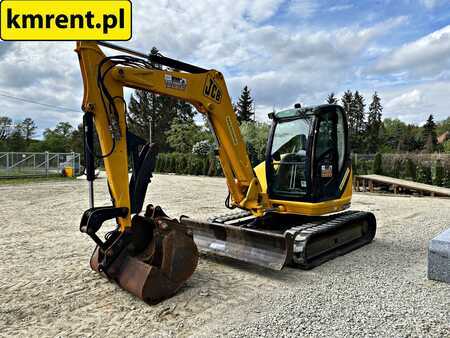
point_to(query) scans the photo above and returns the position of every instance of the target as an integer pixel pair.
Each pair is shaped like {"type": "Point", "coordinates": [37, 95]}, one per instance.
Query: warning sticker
{"type": "Point", "coordinates": [327, 171]}
{"type": "Point", "coordinates": [175, 82]}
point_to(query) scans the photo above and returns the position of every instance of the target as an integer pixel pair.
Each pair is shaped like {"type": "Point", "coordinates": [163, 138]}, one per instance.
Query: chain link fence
{"type": "Point", "coordinates": [25, 164]}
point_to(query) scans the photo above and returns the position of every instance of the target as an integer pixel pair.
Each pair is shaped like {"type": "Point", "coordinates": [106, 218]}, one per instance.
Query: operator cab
{"type": "Point", "coordinates": [307, 156]}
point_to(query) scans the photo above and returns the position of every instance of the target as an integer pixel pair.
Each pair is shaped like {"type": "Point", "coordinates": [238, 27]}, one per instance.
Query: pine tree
{"type": "Point", "coordinates": [347, 104]}
{"type": "Point", "coordinates": [359, 106]}
{"type": "Point", "coordinates": [429, 134]}
{"type": "Point", "coordinates": [331, 99]}
{"type": "Point", "coordinates": [148, 109]}
{"type": "Point", "coordinates": [374, 123]}
{"type": "Point", "coordinates": [354, 107]}
{"type": "Point", "coordinates": [245, 107]}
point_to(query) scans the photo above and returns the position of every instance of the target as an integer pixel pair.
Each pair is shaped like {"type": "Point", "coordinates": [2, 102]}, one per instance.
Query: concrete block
{"type": "Point", "coordinates": [439, 257]}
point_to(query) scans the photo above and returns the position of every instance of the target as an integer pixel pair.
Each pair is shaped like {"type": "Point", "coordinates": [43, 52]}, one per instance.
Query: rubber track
{"type": "Point", "coordinates": [304, 233]}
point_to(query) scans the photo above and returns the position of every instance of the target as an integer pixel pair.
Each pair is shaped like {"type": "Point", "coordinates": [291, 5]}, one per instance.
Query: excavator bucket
{"type": "Point", "coordinates": [275, 240]}
{"type": "Point", "coordinates": [152, 259]}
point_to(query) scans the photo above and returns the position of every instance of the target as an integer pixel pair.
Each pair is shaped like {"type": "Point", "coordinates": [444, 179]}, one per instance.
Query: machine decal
{"type": "Point", "coordinates": [231, 131]}
{"type": "Point", "coordinates": [217, 246]}
{"type": "Point", "coordinates": [211, 90]}
{"type": "Point", "coordinates": [174, 82]}
{"type": "Point", "coordinates": [326, 171]}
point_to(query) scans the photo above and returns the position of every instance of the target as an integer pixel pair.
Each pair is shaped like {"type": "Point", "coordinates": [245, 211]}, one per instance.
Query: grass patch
{"type": "Point", "coordinates": [28, 180]}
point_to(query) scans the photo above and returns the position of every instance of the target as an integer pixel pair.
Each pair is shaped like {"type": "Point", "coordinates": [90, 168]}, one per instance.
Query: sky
{"type": "Point", "coordinates": [285, 51]}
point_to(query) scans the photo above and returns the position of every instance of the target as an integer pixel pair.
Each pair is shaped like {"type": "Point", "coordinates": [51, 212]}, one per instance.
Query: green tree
{"type": "Point", "coordinates": [348, 103]}
{"type": "Point", "coordinates": [398, 136]}
{"type": "Point", "coordinates": [392, 130]}
{"type": "Point", "coordinates": [143, 114]}
{"type": "Point", "coordinates": [357, 136]}
{"type": "Point", "coordinates": [182, 136]}
{"type": "Point", "coordinates": [16, 141]}
{"type": "Point", "coordinates": [202, 148]}
{"type": "Point", "coordinates": [255, 135]}
{"type": "Point", "coordinates": [446, 146]}
{"type": "Point", "coordinates": [77, 143]}
{"type": "Point", "coordinates": [424, 174]}
{"type": "Point", "coordinates": [331, 99]}
{"type": "Point", "coordinates": [245, 106]}
{"type": "Point", "coordinates": [64, 129]}
{"type": "Point", "coordinates": [429, 135]}
{"type": "Point", "coordinates": [58, 140]}
{"type": "Point", "coordinates": [374, 124]}
{"type": "Point", "coordinates": [354, 107]}
{"type": "Point", "coordinates": [28, 128]}
{"type": "Point", "coordinates": [443, 126]}
{"type": "Point", "coordinates": [408, 138]}
{"type": "Point", "coordinates": [359, 106]}
{"type": "Point", "coordinates": [149, 110]}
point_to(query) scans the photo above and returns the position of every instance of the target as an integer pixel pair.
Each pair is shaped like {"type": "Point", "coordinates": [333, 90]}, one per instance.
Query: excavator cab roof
{"type": "Point", "coordinates": [299, 112]}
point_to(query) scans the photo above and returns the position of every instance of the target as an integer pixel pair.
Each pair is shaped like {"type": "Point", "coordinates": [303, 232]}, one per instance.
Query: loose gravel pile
{"type": "Point", "coordinates": [47, 288]}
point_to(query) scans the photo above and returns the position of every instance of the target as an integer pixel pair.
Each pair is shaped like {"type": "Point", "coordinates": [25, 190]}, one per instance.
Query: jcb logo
{"type": "Point", "coordinates": [212, 90]}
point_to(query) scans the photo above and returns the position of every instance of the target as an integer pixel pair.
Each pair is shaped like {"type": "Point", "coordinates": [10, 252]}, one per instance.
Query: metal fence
{"type": "Point", "coordinates": [24, 164]}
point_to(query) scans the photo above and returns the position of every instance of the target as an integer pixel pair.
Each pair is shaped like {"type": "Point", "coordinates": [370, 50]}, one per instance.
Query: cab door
{"type": "Point", "coordinates": [330, 155]}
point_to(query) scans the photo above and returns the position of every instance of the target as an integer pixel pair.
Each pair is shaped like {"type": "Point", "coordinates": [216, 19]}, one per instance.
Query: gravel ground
{"type": "Point", "coordinates": [47, 288]}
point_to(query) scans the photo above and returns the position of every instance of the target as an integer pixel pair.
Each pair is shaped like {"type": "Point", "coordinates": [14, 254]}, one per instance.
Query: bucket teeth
{"type": "Point", "coordinates": [159, 258]}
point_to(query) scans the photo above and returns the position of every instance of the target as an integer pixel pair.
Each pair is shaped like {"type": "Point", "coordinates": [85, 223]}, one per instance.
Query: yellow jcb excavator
{"type": "Point", "coordinates": [289, 206]}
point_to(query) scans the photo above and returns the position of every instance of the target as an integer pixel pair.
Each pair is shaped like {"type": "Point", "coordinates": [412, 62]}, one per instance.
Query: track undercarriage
{"type": "Point", "coordinates": [277, 240]}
